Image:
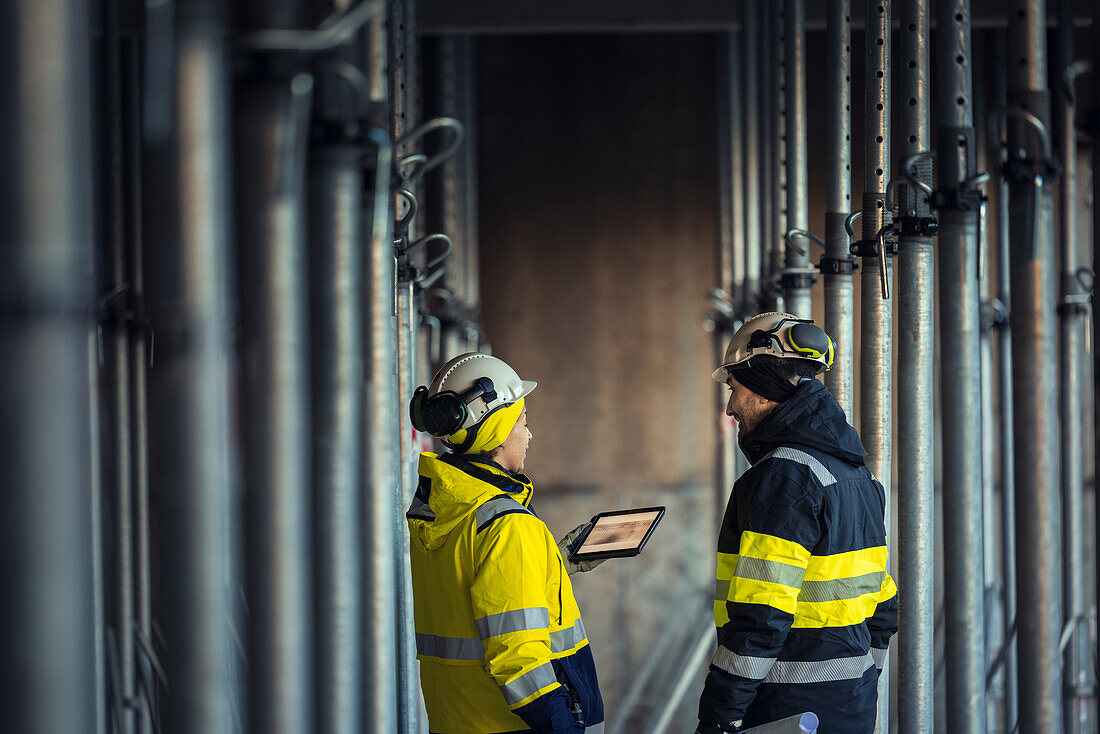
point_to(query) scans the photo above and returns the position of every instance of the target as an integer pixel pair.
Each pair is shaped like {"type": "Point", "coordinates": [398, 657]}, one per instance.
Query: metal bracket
{"type": "Point", "coordinates": [838, 265]}
{"type": "Point", "coordinates": [870, 248]}
{"type": "Point", "coordinates": [965, 200]}
{"type": "Point", "coordinates": [916, 226]}
{"type": "Point", "coordinates": [798, 277]}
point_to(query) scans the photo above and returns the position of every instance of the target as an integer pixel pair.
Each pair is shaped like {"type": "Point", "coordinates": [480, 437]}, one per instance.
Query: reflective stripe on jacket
{"type": "Point", "coordinates": [498, 631]}
{"type": "Point", "coordinates": [803, 604]}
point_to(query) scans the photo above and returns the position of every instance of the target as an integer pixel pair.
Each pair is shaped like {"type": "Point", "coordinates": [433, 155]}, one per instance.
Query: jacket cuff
{"type": "Point", "coordinates": [550, 714]}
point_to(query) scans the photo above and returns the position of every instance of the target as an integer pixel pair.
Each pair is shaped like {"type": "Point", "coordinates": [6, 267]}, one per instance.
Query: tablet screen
{"type": "Point", "coordinates": [616, 533]}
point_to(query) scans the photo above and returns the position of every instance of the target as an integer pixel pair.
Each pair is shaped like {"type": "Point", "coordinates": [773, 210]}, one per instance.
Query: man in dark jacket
{"type": "Point", "coordinates": [804, 606]}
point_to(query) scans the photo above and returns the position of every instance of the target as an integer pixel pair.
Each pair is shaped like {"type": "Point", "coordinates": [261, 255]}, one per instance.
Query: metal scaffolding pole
{"type": "Point", "coordinates": [336, 249]}
{"type": "Point", "coordinates": [916, 347]}
{"type": "Point", "coordinates": [189, 241]}
{"type": "Point", "coordinates": [1004, 396]}
{"type": "Point", "coordinates": [405, 85]}
{"type": "Point", "coordinates": [798, 277]}
{"type": "Point", "coordinates": [768, 136]}
{"type": "Point", "coordinates": [1095, 166]}
{"type": "Point", "coordinates": [875, 307]}
{"type": "Point", "coordinates": [1072, 312]}
{"type": "Point", "coordinates": [381, 458]}
{"type": "Point", "coordinates": [958, 202]}
{"type": "Point", "coordinates": [775, 63]}
{"type": "Point", "coordinates": [1038, 518]}
{"type": "Point", "coordinates": [838, 265]}
{"type": "Point", "coordinates": [47, 656]}
{"type": "Point", "coordinates": [752, 137]}
{"type": "Point", "coordinates": [272, 144]}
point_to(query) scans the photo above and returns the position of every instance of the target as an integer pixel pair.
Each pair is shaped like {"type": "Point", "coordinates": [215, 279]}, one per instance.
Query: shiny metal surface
{"type": "Point", "coordinates": [838, 287]}
{"type": "Point", "coordinates": [754, 159]}
{"type": "Point", "coordinates": [776, 30]}
{"type": "Point", "coordinates": [916, 429]}
{"type": "Point", "coordinates": [1035, 387]}
{"type": "Point", "coordinates": [796, 293]}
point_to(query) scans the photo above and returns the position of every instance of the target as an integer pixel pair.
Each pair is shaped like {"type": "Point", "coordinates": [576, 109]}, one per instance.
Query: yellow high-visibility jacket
{"type": "Point", "coordinates": [498, 633]}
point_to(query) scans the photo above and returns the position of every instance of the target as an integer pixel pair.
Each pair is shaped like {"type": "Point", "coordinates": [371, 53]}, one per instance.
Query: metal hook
{"type": "Point", "coordinates": [1069, 76]}
{"type": "Point", "coordinates": [997, 132]}
{"type": "Point", "coordinates": [414, 207]}
{"type": "Point", "coordinates": [324, 38]}
{"type": "Point", "coordinates": [848, 223]}
{"type": "Point", "coordinates": [802, 233]}
{"type": "Point", "coordinates": [435, 124]}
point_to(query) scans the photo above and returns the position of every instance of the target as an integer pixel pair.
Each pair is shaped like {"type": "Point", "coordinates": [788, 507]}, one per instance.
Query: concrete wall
{"type": "Point", "coordinates": [598, 220]}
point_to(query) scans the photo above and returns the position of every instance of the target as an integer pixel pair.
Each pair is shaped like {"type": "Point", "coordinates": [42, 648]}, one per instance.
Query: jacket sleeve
{"type": "Point", "coordinates": [883, 624]}
{"type": "Point", "coordinates": [511, 564]}
{"type": "Point", "coordinates": [764, 567]}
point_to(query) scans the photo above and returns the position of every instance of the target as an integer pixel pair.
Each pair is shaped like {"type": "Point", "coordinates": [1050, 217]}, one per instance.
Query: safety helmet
{"type": "Point", "coordinates": [781, 335]}
{"type": "Point", "coordinates": [464, 392]}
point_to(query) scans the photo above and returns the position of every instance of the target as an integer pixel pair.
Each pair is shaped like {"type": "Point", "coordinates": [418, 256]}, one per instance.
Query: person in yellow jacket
{"type": "Point", "coordinates": [499, 636]}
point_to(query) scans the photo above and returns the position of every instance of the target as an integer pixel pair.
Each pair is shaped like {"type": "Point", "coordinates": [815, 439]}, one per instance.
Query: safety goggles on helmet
{"type": "Point", "coordinates": [780, 335]}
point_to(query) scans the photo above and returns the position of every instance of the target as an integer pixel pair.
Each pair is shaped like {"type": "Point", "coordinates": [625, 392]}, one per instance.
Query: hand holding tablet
{"type": "Point", "coordinates": [616, 534]}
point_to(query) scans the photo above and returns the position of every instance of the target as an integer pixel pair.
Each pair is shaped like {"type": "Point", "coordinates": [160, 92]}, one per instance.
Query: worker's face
{"type": "Point", "coordinates": [746, 407]}
{"type": "Point", "coordinates": [514, 449]}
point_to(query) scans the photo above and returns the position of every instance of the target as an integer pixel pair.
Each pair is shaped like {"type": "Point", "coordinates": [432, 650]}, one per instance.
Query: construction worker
{"type": "Point", "coordinates": [804, 606]}
{"type": "Point", "coordinates": [498, 633]}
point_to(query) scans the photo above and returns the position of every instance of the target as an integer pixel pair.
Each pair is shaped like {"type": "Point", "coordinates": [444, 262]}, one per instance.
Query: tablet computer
{"type": "Point", "coordinates": [616, 534]}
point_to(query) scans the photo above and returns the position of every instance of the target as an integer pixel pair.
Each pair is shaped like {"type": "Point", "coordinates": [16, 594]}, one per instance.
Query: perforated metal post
{"type": "Point", "coordinates": [838, 265]}
{"type": "Point", "coordinates": [1036, 452]}
{"type": "Point", "coordinates": [916, 347]}
{"type": "Point", "coordinates": [777, 62]}
{"type": "Point", "coordinates": [769, 137]}
{"type": "Point", "coordinates": [958, 202]}
{"type": "Point", "coordinates": [797, 278]}
{"type": "Point", "coordinates": [876, 369]}
{"type": "Point", "coordinates": [753, 157]}
{"type": "Point", "coordinates": [1072, 311]}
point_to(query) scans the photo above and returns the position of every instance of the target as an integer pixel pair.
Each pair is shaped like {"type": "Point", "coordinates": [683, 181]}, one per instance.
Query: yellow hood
{"type": "Point", "coordinates": [451, 489]}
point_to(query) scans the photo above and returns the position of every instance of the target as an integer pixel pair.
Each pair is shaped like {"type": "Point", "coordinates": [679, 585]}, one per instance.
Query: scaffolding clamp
{"type": "Point", "coordinates": [838, 265]}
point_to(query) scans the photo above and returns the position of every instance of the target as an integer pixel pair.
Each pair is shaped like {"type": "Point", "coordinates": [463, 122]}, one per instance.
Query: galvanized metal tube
{"type": "Point", "coordinates": [916, 429]}
{"type": "Point", "coordinates": [777, 62]}
{"type": "Point", "coordinates": [381, 458]}
{"type": "Point", "coordinates": [1038, 517]}
{"type": "Point", "coordinates": [336, 237]}
{"type": "Point", "coordinates": [1095, 166]}
{"type": "Point", "coordinates": [47, 653]}
{"type": "Point", "coordinates": [188, 219]}
{"type": "Point", "coordinates": [117, 290]}
{"type": "Point", "coordinates": [752, 137]}
{"type": "Point", "coordinates": [796, 285]}
{"type": "Point", "coordinates": [839, 295]}
{"type": "Point", "coordinates": [1071, 353]}
{"type": "Point", "coordinates": [1004, 399]}
{"type": "Point", "coordinates": [734, 280]}
{"type": "Point", "coordinates": [768, 139]}
{"type": "Point", "coordinates": [139, 360]}
{"type": "Point", "coordinates": [960, 360]}
{"type": "Point", "coordinates": [876, 370]}
{"type": "Point", "coordinates": [271, 144]}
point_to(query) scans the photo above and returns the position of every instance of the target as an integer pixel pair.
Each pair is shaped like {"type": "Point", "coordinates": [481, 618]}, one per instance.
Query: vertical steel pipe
{"type": "Point", "coordinates": [405, 85]}
{"type": "Point", "coordinates": [271, 146]}
{"type": "Point", "coordinates": [1038, 518]}
{"type": "Point", "coordinates": [960, 360]}
{"type": "Point", "coordinates": [1095, 165]}
{"type": "Point", "coordinates": [838, 264]}
{"type": "Point", "coordinates": [47, 653]}
{"type": "Point", "coordinates": [768, 139]}
{"type": "Point", "coordinates": [139, 360]}
{"type": "Point", "coordinates": [916, 347]}
{"type": "Point", "coordinates": [381, 459]}
{"type": "Point", "coordinates": [1071, 354]}
{"type": "Point", "coordinates": [798, 278]}
{"type": "Point", "coordinates": [751, 137]}
{"type": "Point", "coordinates": [777, 63]}
{"type": "Point", "coordinates": [876, 371]}
{"type": "Point", "coordinates": [188, 216]}
{"type": "Point", "coordinates": [115, 311]}
{"type": "Point", "coordinates": [1005, 429]}
{"type": "Point", "coordinates": [336, 237]}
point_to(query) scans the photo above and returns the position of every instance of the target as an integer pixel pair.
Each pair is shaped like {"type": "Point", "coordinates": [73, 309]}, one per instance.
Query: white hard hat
{"type": "Point", "coordinates": [780, 335]}
{"type": "Point", "coordinates": [462, 374]}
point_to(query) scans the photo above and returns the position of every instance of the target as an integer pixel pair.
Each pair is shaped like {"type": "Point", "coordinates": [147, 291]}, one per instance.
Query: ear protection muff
{"type": "Point", "coordinates": [444, 413]}
{"type": "Point", "coordinates": [812, 342]}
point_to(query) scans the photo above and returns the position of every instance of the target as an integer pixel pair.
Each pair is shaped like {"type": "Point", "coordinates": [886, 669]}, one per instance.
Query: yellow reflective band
{"type": "Point", "coordinates": [771, 548]}
{"type": "Point", "coordinates": [889, 590]}
{"type": "Point", "coordinates": [527, 687]}
{"type": "Point", "coordinates": [727, 565]}
{"type": "Point", "coordinates": [840, 613]}
{"type": "Point", "coordinates": [846, 565]}
{"type": "Point", "coordinates": [721, 614]}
